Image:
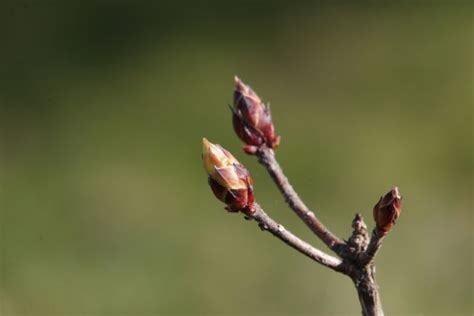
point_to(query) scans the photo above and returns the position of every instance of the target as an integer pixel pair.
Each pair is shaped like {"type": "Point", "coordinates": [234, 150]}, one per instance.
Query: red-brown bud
{"type": "Point", "coordinates": [252, 119]}
{"type": "Point", "coordinates": [387, 210]}
{"type": "Point", "coordinates": [229, 180]}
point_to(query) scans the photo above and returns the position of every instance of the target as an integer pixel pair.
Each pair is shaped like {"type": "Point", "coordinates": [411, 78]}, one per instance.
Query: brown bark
{"type": "Point", "coordinates": [367, 289]}
{"type": "Point", "coordinates": [266, 157]}
{"type": "Point", "coordinates": [266, 223]}
{"type": "Point", "coordinates": [357, 253]}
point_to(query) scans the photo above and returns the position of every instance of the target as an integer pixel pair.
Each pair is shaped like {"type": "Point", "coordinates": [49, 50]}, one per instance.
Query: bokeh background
{"type": "Point", "coordinates": [105, 208]}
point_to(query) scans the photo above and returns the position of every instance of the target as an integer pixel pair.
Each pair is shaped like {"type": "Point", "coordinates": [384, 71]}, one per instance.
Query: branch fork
{"type": "Point", "coordinates": [231, 183]}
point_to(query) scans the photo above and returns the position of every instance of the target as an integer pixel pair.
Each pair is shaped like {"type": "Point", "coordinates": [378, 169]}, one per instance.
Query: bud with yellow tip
{"type": "Point", "coordinates": [387, 210]}
{"type": "Point", "coordinates": [229, 180]}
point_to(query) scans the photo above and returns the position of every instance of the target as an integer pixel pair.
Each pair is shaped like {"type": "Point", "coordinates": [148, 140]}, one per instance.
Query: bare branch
{"type": "Point", "coordinates": [266, 157]}
{"type": "Point", "coordinates": [375, 243]}
{"type": "Point", "coordinates": [231, 183]}
{"type": "Point", "coordinates": [368, 291]}
{"type": "Point", "coordinates": [268, 224]}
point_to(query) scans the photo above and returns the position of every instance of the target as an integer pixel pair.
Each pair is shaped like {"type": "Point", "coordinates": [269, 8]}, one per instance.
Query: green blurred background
{"type": "Point", "coordinates": [105, 209]}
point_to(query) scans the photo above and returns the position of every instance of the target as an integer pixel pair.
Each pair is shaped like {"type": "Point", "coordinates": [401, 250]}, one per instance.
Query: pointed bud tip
{"type": "Point", "coordinates": [239, 84]}
{"type": "Point", "coordinates": [396, 193]}
{"type": "Point", "coordinates": [205, 144]}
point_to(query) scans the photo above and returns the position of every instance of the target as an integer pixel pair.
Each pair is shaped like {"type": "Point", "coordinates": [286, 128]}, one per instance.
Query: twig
{"type": "Point", "coordinates": [375, 243]}
{"type": "Point", "coordinates": [368, 291]}
{"type": "Point", "coordinates": [231, 183]}
{"type": "Point", "coordinates": [268, 224]}
{"type": "Point", "coordinates": [266, 157]}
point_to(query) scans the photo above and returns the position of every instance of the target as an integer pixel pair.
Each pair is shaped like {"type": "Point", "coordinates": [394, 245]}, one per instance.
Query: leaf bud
{"type": "Point", "coordinates": [387, 210]}
{"type": "Point", "coordinates": [252, 119]}
{"type": "Point", "coordinates": [229, 180]}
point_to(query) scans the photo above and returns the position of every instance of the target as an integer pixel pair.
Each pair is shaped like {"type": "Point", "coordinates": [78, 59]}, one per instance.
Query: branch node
{"type": "Point", "coordinates": [262, 226]}
{"type": "Point", "coordinates": [359, 239]}
{"type": "Point", "coordinates": [310, 214]}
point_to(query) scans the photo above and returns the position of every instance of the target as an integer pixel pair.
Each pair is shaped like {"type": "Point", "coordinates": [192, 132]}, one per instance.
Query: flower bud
{"type": "Point", "coordinates": [387, 210]}
{"type": "Point", "coordinates": [252, 120]}
{"type": "Point", "coordinates": [229, 180]}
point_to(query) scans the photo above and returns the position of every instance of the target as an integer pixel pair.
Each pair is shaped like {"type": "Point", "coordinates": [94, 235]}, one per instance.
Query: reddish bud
{"type": "Point", "coordinates": [252, 119]}
{"type": "Point", "coordinates": [387, 210]}
{"type": "Point", "coordinates": [229, 180]}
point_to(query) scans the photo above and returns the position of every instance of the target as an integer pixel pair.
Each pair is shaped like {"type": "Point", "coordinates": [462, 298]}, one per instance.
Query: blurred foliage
{"type": "Point", "coordinates": [105, 207]}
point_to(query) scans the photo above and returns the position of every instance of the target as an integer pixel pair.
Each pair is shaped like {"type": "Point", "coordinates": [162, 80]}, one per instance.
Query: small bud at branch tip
{"type": "Point", "coordinates": [228, 178]}
{"type": "Point", "coordinates": [387, 210]}
{"type": "Point", "coordinates": [252, 119]}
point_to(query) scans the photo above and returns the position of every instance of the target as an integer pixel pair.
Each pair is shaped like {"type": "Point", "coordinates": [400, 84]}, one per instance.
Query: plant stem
{"type": "Point", "coordinates": [268, 224]}
{"type": "Point", "coordinates": [266, 157]}
{"type": "Point", "coordinates": [368, 291]}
